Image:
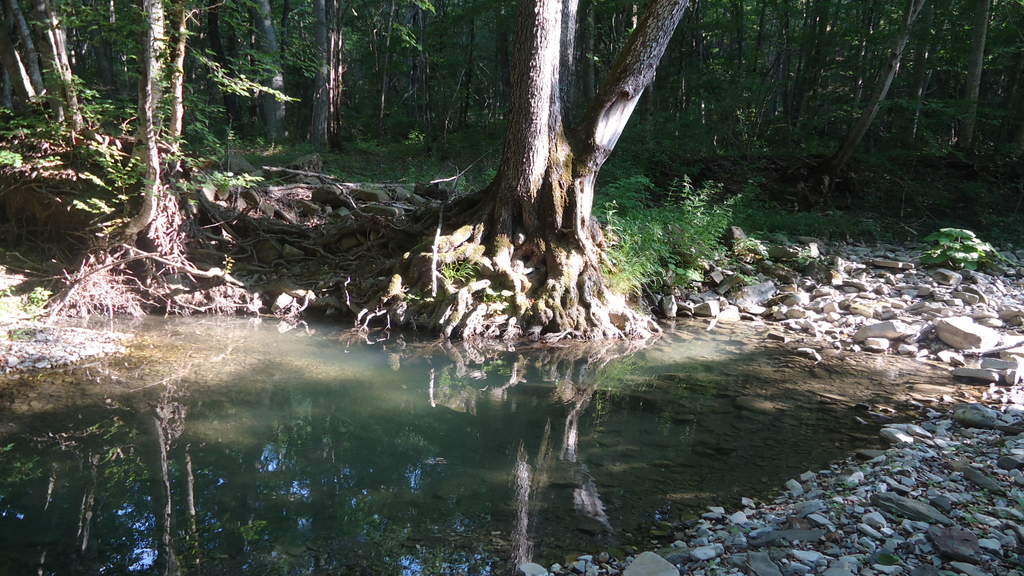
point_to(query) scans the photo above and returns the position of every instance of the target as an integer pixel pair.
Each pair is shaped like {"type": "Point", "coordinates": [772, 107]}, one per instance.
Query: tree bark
{"type": "Point", "coordinates": [838, 161]}
{"type": "Point", "coordinates": [64, 94]}
{"type": "Point", "coordinates": [975, 64]}
{"type": "Point", "coordinates": [273, 109]}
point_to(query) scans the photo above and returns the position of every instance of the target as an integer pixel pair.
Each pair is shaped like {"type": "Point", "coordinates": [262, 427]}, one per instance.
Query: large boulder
{"type": "Point", "coordinates": [963, 333]}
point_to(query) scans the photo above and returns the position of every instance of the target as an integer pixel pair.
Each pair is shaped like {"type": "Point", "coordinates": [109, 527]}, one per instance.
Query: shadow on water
{"type": "Point", "coordinates": [218, 447]}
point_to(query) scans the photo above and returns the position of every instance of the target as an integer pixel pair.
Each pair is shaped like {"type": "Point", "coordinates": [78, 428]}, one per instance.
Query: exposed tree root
{"type": "Point", "coordinates": [546, 290]}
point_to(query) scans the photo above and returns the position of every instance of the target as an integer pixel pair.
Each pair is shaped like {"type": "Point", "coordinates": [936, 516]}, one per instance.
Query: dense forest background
{"type": "Point", "coordinates": [848, 118]}
{"type": "Point", "coordinates": [741, 77]}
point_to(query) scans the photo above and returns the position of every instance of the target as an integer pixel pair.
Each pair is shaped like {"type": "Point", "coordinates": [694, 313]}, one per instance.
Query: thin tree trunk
{"type": "Point", "coordinates": [975, 65]}
{"type": "Point", "coordinates": [213, 32]}
{"type": "Point", "coordinates": [65, 96]}
{"type": "Point", "coordinates": [337, 76]}
{"type": "Point", "coordinates": [321, 95]}
{"type": "Point", "coordinates": [467, 93]}
{"type": "Point", "coordinates": [921, 72]}
{"type": "Point", "coordinates": [31, 55]}
{"type": "Point", "coordinates": [178, 73]}
{"type": "Point", "coordinates": [149, 99]}
{"type": "Point", "coordinates": [273, 109]}
{"type": "Point", "coordinates": [838, 160]}
{"type": "Point", "coordinates": [385, 65]}
{"type": "Point", "coordinates": [325, 124]}
{"type": "Point", "coordinates": [17, 76]}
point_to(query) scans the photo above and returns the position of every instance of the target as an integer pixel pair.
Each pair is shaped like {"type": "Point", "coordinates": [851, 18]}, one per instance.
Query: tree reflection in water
{"type": "Point", "coordinates": [249, 451]}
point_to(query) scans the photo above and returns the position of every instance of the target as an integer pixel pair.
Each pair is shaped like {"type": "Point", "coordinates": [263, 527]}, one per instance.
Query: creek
{"type": "Point", "coordinates": [222, 446]}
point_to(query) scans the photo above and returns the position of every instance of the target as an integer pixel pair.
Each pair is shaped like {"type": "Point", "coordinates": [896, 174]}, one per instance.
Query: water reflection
{"type": "Point", "coordinates": [223, 448]}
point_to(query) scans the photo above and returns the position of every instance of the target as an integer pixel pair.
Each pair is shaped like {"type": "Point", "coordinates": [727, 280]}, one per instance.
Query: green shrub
{"type": "Point", "coordinates": [654, 243]}
{"type": "Point", "coordinates": [958, 248]}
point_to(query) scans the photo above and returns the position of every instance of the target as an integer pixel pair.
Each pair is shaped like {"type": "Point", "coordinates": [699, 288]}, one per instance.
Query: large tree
{"type": "Point", "coordinates": [531, 232]}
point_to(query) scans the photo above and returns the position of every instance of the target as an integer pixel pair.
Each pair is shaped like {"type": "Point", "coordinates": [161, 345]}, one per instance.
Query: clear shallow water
{"type": "Point", "coordinates": [220, 447]}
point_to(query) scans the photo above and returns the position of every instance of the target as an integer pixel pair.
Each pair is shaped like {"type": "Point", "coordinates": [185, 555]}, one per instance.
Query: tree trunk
{"type": "Point", "coordinates": [975, 64]}
{"type": "Point", "coordinates": [181, 16]}
{"type": "Point", "coordinates": [838, 161]}
{"type": "Point", "coordinates": [535, 223]}
{"type": "Point", "coordinates": [31, 55]}
{"type": "Point", "coordinates": [321, 98]}
{"type": "Point", "coordinates": [273, 109]}
{"type": "Point", "coordinates": [213, 32]}
{"type": "Point", "coordinates": [325, 127]}
{"type": "Point", "coordinates": [921, 73]}
{"type": "Point", "coordinates": [64, 94]}
{"type": "Point", "coordinates": [149, 99]}
{"type": "Point", "coordinates": [14, 69]}
{"type": "Point", "coordinates": [385, 64]}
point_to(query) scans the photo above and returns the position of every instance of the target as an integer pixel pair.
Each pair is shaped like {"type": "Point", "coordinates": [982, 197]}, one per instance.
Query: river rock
{"type": "Point", "coordinates": [896, 436]}
{"type": "Point", "coordinates": [987, 482]}
{"type": "Point", "coordinates": [705, 552]}
{"type": "Point", "coordinates": [762, 565]}
{"type": "Point", "coordinates": [947, 277]}
{"type": "Point", "coordinates": [890, 330]}
{"type": "Point", "coordinates": [755, 295]}
{"type": "Point", "coordinates": [531, 569]}
{"type": "Point", "coordinates": [709, 309]}
{"type": "Point", "coordinates": [794, 487]}
{"type": "Point", "coordinates": [669, 306]}
{"type": "Point", "coordinates": [729, 314]}
{"type": "Point", "coordinates": [809, 557]}
{"type": "Point", "coordinates": [976, 416]}
{"type": "Point", "coordinates": [876, 344]}
{"type": "Point", "coordinates": [1007, 462]}
{"type": "Point", "coordinates": [963, 333]}
{"type": "Point", "coordinates": [650, 564]}
{"type": "Point", "coordinates": [895, 264]}
{"type": "Point", "coordinates": [977, 374]}
{"type": "Point", "coordinates": [841, 567]}
{"type": "Point", "coordinates": [955, 543]}
{"type": "Point", "coordinates": [968, 569]}
{"type": "Point", "coordinates": [788, 535]}
{"type": "Point", "coordinates": [783, 252]}
{"type": "Point", "coordinates": [908, 508]}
